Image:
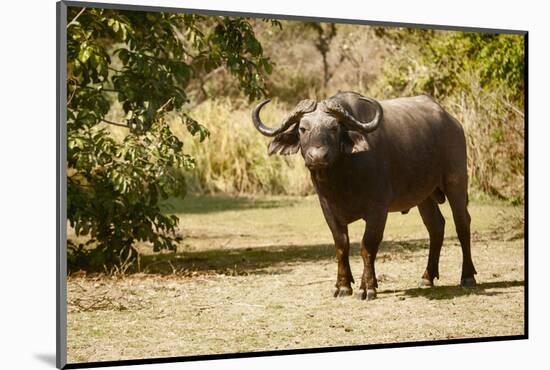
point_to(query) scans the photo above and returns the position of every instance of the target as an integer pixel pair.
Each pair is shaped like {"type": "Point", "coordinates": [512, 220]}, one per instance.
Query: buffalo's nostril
{"type": "Point", "coordinates": [317, 154]}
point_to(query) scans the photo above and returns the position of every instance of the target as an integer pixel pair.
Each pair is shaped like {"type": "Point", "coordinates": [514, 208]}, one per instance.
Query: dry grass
{"type": "Point", "coordinates": [257, 273]}
{"type": "Point", "coordinates": [234, 160]}
{"type": "Point", "coordinates": [495, 131]}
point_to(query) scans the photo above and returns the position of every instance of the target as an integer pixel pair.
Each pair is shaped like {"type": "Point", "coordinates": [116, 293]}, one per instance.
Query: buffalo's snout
{"type": "Point", "coordinates": [317, 157]}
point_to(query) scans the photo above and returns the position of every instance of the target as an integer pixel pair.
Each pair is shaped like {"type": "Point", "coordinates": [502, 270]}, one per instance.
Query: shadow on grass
{"type": "Point", "coordinates": [453, 291]}
{"type": "Point", "coordinates": [256, 259]}
{"type": "Point", "coordinates": [279, 260]}
{"type": "Point", "coordinates": [196, 204]}
{"type": "Point", "coordinates": [240, 261]}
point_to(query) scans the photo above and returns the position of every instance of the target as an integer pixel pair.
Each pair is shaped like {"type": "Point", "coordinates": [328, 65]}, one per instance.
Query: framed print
{"type": "Point", "coordinates": [239, 185]}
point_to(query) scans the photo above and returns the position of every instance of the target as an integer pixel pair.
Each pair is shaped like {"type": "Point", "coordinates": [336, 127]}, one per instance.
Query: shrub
{"type": "Point", "coordinates": [142, 64]}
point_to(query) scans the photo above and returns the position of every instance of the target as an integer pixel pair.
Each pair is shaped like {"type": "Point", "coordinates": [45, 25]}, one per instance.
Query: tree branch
{"type": "Point", "coordinates": [213, 72]}
{"type": "Point", "coordinates": [72, 94]}
{"type": "Point", "coordinates": [114, 123]}
{"type": "Point", "coordinates": [76, 17]}
{"type": "Point", "coordinates": [165, 105]}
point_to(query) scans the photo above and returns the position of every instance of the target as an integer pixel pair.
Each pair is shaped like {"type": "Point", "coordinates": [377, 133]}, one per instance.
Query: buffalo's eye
{"type": "Point", "coordinates": [302, 130]}
{"type": "Point", "coordinates": [333, 128]}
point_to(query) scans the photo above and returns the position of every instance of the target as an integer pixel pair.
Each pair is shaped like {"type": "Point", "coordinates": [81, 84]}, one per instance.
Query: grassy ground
{"type": "Point", "coordinates": [256, 274]}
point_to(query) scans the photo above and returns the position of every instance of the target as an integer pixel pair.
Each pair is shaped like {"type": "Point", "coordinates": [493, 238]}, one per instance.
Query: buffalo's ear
{"type": "Point", "coordinates": [353, 142]}
{"type": "Point", "coordinates": [285, 143]}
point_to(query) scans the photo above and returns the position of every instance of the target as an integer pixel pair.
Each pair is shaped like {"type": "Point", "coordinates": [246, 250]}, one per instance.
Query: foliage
{"type": "Point", "coordinates": [436, 62]}
{"type": "Point", "coordinates": [146, 62]}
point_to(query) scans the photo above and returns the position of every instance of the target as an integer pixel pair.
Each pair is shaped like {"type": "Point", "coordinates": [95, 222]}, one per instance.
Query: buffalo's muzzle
{"type": "Point", "coordinates": [317, 157]}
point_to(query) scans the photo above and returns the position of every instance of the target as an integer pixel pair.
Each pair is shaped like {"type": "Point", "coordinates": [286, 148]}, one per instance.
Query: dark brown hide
{"type": "Point", "coordinates": [413, 155]}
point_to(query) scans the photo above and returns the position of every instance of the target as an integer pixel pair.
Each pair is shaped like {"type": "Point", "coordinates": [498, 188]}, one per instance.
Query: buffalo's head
{"type": "Point", "coordinates": [322, 131]}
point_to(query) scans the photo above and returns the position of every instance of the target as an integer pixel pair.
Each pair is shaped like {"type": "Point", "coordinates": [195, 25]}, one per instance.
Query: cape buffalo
{"type": "Point", "coordinates": [368, 158]}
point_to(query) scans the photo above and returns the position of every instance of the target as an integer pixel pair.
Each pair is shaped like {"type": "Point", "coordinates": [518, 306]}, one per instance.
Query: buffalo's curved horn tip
{"type": "Point", "coordinates": [264, 130]}
{"type": "Point", "coordinates": [367, 127]}
{"type": "Point", "coordinates": [305, 106]}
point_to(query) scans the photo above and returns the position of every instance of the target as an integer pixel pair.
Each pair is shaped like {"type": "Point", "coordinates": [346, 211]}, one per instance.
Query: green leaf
{"type": "Point", "coordinates": [84, 54]}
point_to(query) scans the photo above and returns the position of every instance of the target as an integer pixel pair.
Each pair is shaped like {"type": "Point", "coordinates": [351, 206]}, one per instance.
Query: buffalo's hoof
{"type": "Point", "coordinates": [342, 292]}
{"type": "Point", "coordinates": [369, 294]}
{"type": "Point", "coordinates": [425, 283]}
{"type": "Point", "coordinates": [468, 282]}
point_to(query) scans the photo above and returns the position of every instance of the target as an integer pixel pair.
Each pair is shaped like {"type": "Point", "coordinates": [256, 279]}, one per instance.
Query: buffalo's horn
{"type": "Point", "coordinates": [333, 107]}
{"type": "Point", "coordinates": [305, 106]}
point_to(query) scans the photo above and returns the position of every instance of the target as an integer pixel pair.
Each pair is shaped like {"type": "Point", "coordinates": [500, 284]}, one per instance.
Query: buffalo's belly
{"type": "Point", "coordinates": [412, 198]}
{"type": "Point", "coordinates": [415, 180]}
{"type": "Point", "coordinates": [347, 209]}
{"type": "Point", "coordinates": [349, 213]}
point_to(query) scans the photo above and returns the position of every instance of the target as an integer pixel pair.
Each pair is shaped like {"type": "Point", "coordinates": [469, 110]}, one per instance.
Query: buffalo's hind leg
{"type": "Point", "coordinates": [374, 232]}
{"type": "Point", "coordinates": [435, 223]}
{"type": "Point", "coordinates": [457, 194]}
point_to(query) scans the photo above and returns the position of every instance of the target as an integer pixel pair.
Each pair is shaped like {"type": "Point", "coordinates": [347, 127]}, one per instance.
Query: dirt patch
{"type": "Point", "coordinates": [252, 297]}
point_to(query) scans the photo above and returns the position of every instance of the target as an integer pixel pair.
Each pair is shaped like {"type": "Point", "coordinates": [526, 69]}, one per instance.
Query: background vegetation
{"type": "Point", "coordinates": [159, 105]}
{"type": "Point", "coordinates": [477, 77]}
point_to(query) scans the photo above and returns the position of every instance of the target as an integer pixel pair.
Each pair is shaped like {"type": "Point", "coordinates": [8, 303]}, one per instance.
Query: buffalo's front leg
{"type": "Point", "coordinates": [344, 277]}
{"type": "Point", "coordinates": [341, 241]}
{"type": "Point", "coordinates": [369, 248]}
